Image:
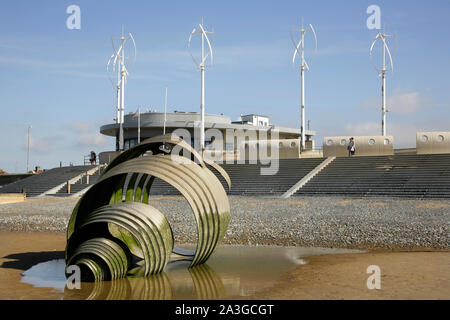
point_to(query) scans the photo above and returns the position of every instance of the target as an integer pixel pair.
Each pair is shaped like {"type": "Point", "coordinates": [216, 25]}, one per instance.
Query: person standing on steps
{"type": "Point", "coordinates": [93, 158]}
{"type": "Point", "coordinates": [351, 147]}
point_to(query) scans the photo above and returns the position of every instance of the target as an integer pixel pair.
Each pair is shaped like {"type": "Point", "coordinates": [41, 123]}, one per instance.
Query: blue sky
{"type": "Point", "coordinates": [55, 79]}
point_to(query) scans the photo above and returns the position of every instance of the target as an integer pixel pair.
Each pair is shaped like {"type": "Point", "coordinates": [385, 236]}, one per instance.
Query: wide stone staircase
{"type": "Point", "coordinates": [38, 184]}
{"type": "Point", "coordinates": [406, 176]}
{"type": "Point", "coordinates": [81, 184]}
{"type": "Point", "coordinates": [246, 179]}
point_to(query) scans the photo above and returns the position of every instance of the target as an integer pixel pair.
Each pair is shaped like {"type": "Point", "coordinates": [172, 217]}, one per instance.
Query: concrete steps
{"type": "Point", "coordinates": [407, 176]}
{"type": "Point", "coordinates": [246, 179]}
{"type": "Point", "coordinates": [39, 184]}
{"type": "Point", "coordinates": [79, 185]}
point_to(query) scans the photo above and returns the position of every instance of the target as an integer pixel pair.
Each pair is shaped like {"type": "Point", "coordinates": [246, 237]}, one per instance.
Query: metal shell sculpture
{"type": "Point", "coordinates": [114, 232]}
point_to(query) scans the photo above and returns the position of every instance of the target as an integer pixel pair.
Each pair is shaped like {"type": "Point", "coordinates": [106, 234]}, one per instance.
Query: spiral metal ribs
{"type": "Point", "coordinates": [114, 232]}
{"type": "Point", "coordinates": [105, 259]}
{"type": "Point", "coordinates": [202, 283]}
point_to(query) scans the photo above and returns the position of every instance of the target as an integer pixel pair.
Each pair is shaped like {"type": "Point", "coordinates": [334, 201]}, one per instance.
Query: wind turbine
{"type": "Point", "coordinates": [118, 64]}
{"type": "Point", "coordinates": [300, 52]}
{"type": "Point", "coordinates": [385, 49]}
{"type": "Point", "coordinates": [204, 38]}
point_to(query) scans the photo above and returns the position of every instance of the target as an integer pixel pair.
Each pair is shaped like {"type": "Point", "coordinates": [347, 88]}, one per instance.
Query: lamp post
{"type": "Point", "coordinates": [165, 112]}
{"type": "Point", "coordinates": [28, 148]}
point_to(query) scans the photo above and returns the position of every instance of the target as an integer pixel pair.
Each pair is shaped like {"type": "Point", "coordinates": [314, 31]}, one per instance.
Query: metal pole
{"type": "Point", "coordinates": [122, 94]}
{"type": "Point", "coordinates": [303, 95]}
{"type": "Point", "coordinates": [139, 125]}
{"type": "Point", "coordinates": [383, 94]}
{"type": "Point", "coordinates": [165, 112]}
{"type": "Point", "coordinates": [383, 105]}
{"type": "Point", "coordinates": [202, 108]}
{"type": "Point", "coordinates": [303, 109]}
{"type": "Point", "coordinates": [202, 103]}
{"type": "Point", "coordinates": [118, 101]}
{"type": "Point", "coordinates": [28, 148]}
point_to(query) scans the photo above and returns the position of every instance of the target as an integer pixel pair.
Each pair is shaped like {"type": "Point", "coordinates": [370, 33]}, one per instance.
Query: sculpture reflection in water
{"type": "Point", "coordinates": [113, 231]}
{"type": "Point", "coordinates": [201, 283]}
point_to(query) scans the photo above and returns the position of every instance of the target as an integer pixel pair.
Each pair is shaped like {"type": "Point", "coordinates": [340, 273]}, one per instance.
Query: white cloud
{"type": "Point", "coordinates": [80, 127]}
{"type": "Point", "coordinates": [36, 144]}
{"type": "Point", "coordinates": [404, 134]}
{"type": "Point", "coordinates": [85, 136]}
{"type": "Point", "coordinates": [398, 103]}
{"type": "Point", "coordinates": [405, 103]}
{"type": "Point", "coordinates": [91, 139]}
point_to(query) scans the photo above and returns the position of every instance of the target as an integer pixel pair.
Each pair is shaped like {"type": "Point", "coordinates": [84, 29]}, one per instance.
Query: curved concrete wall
{"type": "Point", "coordinates": [158, 117]}
{"type": "Point", "coordinates": [432, 142]}
{"type": "Point", "coordinates": [364, 145]}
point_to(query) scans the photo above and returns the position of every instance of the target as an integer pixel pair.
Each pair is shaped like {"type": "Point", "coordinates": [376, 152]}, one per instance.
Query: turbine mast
{"type": "Point", "coordinates": [300, 51]}
{"type": "Point", "coordinates": [204, 38]}
{"type": "Point", "coordinates": [118, 60]}
{"type": "Point", "coordinates": [382, 72]}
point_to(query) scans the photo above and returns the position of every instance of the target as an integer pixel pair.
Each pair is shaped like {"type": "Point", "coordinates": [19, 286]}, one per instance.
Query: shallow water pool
{"type": "Point", "coordinates": [231, 272]}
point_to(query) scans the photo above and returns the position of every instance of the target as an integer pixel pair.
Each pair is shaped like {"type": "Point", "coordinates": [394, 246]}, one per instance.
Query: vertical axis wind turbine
{"type": "Point", "coordinates": [385, 49]}
{"type": "Point", "coordinates": [204, 37]}
{"type": "Point", "coordinates": [300, 51]}
{"type": "Point", "coordinates": [117, 60]}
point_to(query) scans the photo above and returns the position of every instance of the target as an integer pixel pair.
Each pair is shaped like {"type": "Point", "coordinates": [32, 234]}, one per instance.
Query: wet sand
{"type": "Point", "coordinates": [404, 275]}
{"type": "Point", "coordinates": [19, 252]}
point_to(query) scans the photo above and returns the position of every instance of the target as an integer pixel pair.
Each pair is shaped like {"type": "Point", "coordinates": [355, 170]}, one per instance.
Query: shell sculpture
{"type": "Point", "coordinates": [114, 232]}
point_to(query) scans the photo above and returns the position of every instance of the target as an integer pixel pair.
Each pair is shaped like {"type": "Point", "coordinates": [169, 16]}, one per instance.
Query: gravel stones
{"type": "Point", "coordinates": [375, 223]}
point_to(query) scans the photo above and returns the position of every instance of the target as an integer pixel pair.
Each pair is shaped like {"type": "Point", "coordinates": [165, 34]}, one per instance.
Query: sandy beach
{"type": "Point", "coordinates": [407, 239]}
{"type": "Point", "coordinates": [404, 275]}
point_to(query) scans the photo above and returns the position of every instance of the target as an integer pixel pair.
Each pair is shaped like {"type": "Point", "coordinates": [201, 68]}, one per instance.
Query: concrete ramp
{"type": "Point", "coordinates": [308, 177]}
{"type": "Point", "coordinates": [46, 182]}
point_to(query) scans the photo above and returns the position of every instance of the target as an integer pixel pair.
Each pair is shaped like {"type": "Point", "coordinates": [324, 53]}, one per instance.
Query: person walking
{"type": "Point", "coordinates": [351, 147]}
{"type": "Point", "coordinates": [93, 158]}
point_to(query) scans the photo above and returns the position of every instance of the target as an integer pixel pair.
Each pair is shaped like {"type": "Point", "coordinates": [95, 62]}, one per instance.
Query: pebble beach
{"type": "Point", "coordinates": [299, 221]}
